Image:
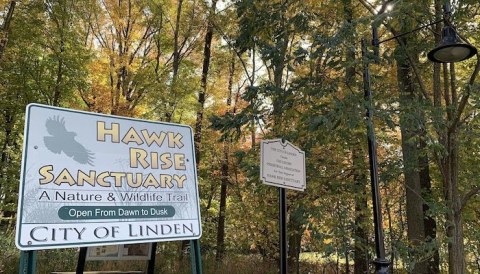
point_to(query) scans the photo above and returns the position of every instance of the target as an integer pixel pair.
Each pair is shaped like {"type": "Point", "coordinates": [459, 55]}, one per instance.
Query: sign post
{"type": "Point", "coordinates": [82, 255]}
{"type": "Point", "coordinates": [27, 262]}
{"type": "Point", "coordinates": [90, 179]}
{"type": "Point", "coordinates": [195, 257]}
{"type": "Point", "coordinates": [282, 165]}
{"type": "Point", "coordinates": [282, 215]}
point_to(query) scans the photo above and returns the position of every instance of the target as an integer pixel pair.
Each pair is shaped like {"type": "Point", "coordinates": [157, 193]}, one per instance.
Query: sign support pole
{"type": "Point", "coordinates": [282, 165]}
{"type": "Point", "coordinates": [151, 262]}
{"type": "Point", "coordinates": [196, 257]}
{"type": "Point", "coordinates": [82, 256]}
{"type": "Point", "coordinates": [283, 229]}
{"type": "Point", "coordinates": [28, 262]}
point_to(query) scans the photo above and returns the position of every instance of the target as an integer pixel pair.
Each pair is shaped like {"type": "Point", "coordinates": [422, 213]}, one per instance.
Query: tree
{"type": "Point", "coordinates": [137, 55]}
{"type": "Point", "coordinates": [225, 171]}
{"type": "Point", "coordinates": [6, 28]}
{"type": "Point", "coordinates": [36, 67]}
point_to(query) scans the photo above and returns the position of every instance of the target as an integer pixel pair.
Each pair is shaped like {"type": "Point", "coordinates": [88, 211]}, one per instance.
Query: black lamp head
{"type": "Point", "coordinates": [450, 50]}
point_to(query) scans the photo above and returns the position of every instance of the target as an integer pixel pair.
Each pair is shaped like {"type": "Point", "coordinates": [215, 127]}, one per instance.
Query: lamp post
{"type": "Point", "coordinates": [381, 264]}
{"type": "Point", "coordinates": [450, 50]}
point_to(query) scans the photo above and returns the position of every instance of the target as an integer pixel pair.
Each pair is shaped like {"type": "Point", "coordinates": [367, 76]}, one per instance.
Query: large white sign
{"type": "Point", "coordinates": [91, 179]}
{"type": "Point", "coordinates": [282, 165]}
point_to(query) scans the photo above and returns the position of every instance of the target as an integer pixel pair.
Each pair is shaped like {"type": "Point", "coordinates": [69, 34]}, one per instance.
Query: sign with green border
{"type": "Point", "coordinates": [92, 179]}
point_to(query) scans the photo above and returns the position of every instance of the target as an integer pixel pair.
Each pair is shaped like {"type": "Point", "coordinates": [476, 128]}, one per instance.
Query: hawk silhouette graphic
{"type": "Point", "coordinates": [63, 140]}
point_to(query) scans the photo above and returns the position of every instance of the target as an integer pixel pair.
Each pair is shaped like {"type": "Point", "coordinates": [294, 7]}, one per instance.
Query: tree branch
{"type": "Point", "coordinates": [468, 196]}
{"type": "Point", "coordinates": [232, 46]}
{"type": "Point", "coordinates": [464, 100]}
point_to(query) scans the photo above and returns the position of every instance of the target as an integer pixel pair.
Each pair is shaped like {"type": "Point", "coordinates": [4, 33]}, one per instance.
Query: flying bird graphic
{"type": "Point", "coordinates": [63, 140]}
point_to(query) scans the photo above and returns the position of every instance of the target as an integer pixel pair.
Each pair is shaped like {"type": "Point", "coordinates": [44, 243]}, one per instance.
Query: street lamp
{"type": "Point", "coordinates": [450, 50]}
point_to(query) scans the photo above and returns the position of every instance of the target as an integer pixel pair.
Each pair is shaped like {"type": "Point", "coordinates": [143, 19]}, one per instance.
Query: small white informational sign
{"type": "Point", "coordinates": [119, 252]}
{"type": "Point", "coordinates": [282, 165]}
{"type": "Point", "coordinates": [90, 179]}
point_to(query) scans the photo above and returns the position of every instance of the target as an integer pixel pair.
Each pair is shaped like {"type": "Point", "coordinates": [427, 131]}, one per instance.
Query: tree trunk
{"type": "Point", "coordinates": [176, 51]}
{"type": "Point", "coordinates": [169, 106]}
{"type": "Point", "coordinates": [388, 209]}
{"type": "Point", "coordinates": [360, 236]}
{"type": "Point", "coordinates": [430, 224]}
{"type": "Point", "coordinates": [57, 92]}
{"type": "Point", "coordinates": [6, 191]}
{"type": "Point", "coordinates": [454, 220]}
{"type": "Point", "coordinates": [223, 205]}
{"type": "Point", "coordinates": [6, 28]}
{"type": "Point", "coordinates": [225, 174]}
{"type": "Point", "coordinates": [201, 95]}
{"type": "Point", "coordinates": [278, 64]}
{"type": "Point", "coordinates": [360, 256]}
{"type": "Point", "coordinates": [253, 134]}
{"type": "Point", "coordinates": [410, 126]}
{"type": "Point", "coordinates": [9, 117]}
{"type": "Point", "coordinates": [295, 233]}
{"type": "Point", "coordinates": [203, 84]}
